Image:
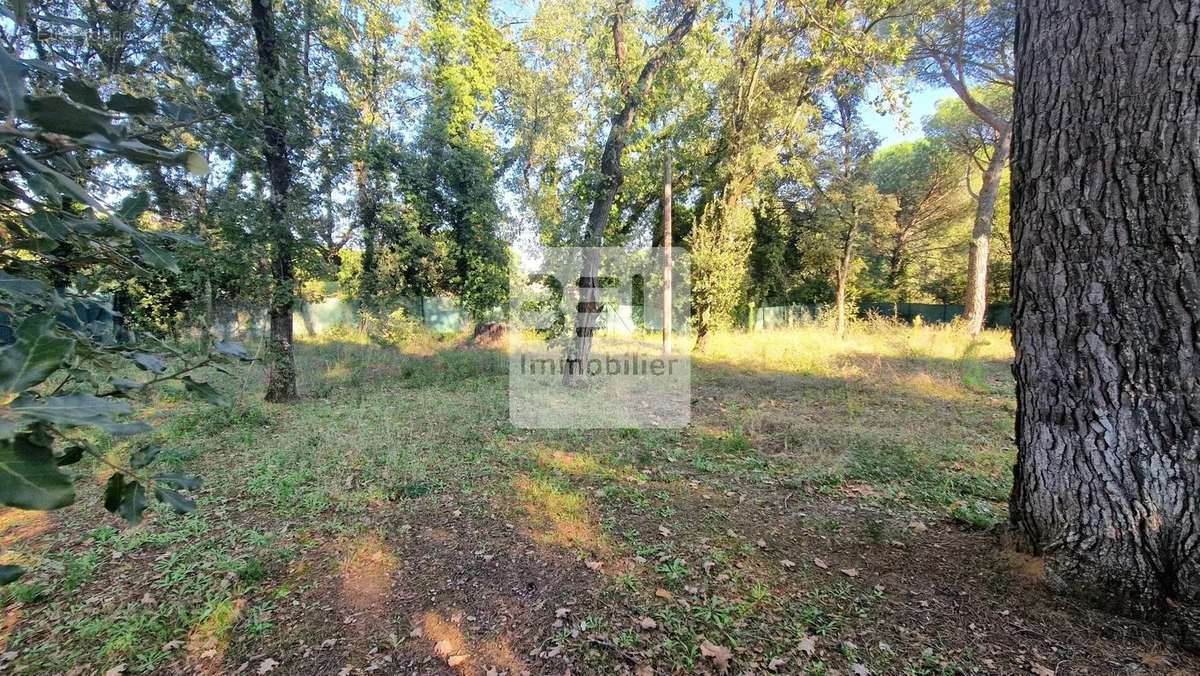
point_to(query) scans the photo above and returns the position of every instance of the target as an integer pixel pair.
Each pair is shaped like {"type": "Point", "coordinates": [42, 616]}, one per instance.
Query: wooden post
{"type": "Point", "coordinates": [668, 264]}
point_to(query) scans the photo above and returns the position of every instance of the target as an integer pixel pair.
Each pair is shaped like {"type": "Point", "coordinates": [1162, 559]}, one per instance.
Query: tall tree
{"type": "Point", "coordinates": [461, 46]}
{"type": "Point", "coordinates": [608, 182]}
{"type": "Point", "coordinates": [925, 179]}
{"type": "Point", "coordinates": [281, 364]}
{"type": "Point", "coordinates": [963, 43]}
{"type": "Point", "coordinates": [844, 201]}
{"type": "Point", "coordinates": [1106, 225]}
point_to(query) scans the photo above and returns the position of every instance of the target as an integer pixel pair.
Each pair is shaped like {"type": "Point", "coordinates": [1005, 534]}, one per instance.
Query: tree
{"type": "Point", "coordinates": [844, 205]}
{"type": "Point", "coordinates": [64, 360]}
{"type": "Point", "coordinates": [925, 180]}
{"type": "Point", "coordinates": [461, 46]}
{"type": "Point", "coordinates": [962, 43]}
{"type": "Point", "coordinates": [608, 182]}
{"type": "Point", "coordinates": [281, 364]}
{"type": "Point", "coordinates": [1107, 299]}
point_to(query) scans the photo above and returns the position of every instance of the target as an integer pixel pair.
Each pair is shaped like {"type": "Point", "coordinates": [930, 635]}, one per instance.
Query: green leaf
{"type": "Point", "coordinates": [64, 116]}
{"type": "Point", "coordinates": [82, 92]}
{"type": "Point", "coordinates": [144, 455]}
{"type": "Point", "coordinates": [12, 83]}
{"type": "Point", "coordinates": [153, 255]}
{"type": "Point", "coordinates": [78, 410]}
{"type": "Point", "coordinates": [35, 356]}
{"type": "Point", "coordinates": [196, 164]}
{"type": "Point", "coordinates": [181, 481]}
{"type": "Point", "coordinates": [206, 391]}
{"type": "Point", "coordinates": [233, 350]}
{"type": "Point", "coordinates": [124, 385]}
{"type": "Point", "coordinates": [229, 101]}
{"type": "Point", "coordinates": [133, 105]}
{"type": "Point", "coordinates": [126, 499]}
{"type": "Point", "coordinates": [29, 290]}
{"type": "Point", "coordinates": [149, 362]}
{"type": "Point", "coordinates": [174, 499]}
{"type": "Point", "coordinates": [134, 206]}
{"type": "Point", "coordinates": [29, 476]}
{"type": "Point", "coordinates": [73, 453]}
{"type": "Point", "coordinates": [10, 574]}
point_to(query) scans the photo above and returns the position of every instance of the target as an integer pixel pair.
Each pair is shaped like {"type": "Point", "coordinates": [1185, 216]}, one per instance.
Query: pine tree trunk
{"type": "Point", "coordinates": [1106, 219]}
{"type": "Point", "coordinates": [975, 303]}
{"type": "Point", "coordinates": [281, 366]}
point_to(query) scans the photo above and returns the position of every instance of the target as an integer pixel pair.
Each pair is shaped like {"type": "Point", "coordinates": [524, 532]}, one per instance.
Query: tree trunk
{"type": "Point", "coordinates": [281, 365]}
{"type": "Point", "coordinates": [843, 281]}
{"type": "Point", "coordinates": [981, 235]}
{"type": "Point", "coordinates": [1106, 289]}
{"type": "Point", "coordinates": [668, 308]}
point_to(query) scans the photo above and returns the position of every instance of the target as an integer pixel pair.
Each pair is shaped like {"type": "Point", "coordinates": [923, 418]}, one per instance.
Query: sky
{"type": "Point", "coordinates": [892, 128]}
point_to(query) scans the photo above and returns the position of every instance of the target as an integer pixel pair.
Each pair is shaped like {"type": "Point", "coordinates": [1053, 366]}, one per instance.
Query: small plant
{"type": "Point", "coordinates": [675, 570]}
{"type": "Point", "coordinates": [977, 514]}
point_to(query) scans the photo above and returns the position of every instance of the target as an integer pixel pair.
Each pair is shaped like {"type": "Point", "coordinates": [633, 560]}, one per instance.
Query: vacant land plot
{"type": "Point", "coordinates": [831, 509]}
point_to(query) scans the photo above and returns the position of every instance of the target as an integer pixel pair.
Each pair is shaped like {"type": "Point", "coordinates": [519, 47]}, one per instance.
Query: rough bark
{"type": "Point", "coordinates": [609, 184]}
{"type": "Point", "coordinates": [1106, 220]}
{"type": "Point", "coordinates": [281, 365]}
{"type": "Point", "coordinates": [975, 303]}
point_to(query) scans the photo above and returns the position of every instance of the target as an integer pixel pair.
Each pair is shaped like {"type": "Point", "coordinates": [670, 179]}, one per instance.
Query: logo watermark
{"type": "Point", "coordinates": [593, 340]}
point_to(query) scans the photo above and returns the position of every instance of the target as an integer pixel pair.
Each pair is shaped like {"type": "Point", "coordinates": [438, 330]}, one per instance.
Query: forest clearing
{"type": "Point", "coordinates": [828, 510]}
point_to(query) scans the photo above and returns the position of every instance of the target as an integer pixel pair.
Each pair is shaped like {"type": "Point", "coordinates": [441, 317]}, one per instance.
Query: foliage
{"type": "Point", "coordinates": [66, 357]}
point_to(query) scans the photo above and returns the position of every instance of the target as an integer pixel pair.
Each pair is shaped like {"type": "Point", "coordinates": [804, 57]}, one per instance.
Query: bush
{"type": "Point", "coordinates": [394, 330]}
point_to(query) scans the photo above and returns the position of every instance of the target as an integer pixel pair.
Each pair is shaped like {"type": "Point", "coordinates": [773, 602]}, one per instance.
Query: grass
{"type": "Point", "coordinates": [399, 470]}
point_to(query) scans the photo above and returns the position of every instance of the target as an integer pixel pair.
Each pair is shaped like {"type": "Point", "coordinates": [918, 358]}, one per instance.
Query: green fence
{"type": "Point", "coordinates": [999, 315]}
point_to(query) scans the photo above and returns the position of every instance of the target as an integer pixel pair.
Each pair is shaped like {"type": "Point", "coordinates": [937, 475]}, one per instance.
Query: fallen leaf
{"type": "Point", "coordinates": [116, 671]}
{"type": "Point", "coordinates": [787, 563]}
{"type": "Point", "coordinates": [562, 612]}
{"type": "Point", "coordinates": [820, 564]}
{"type": "Point", "coordinates": [455, 660]}
{"type": "Point", "coordinates": [664, 531]}
{"type": "Point", "coordinates": [850, 572]}
{"type": "Point", "coordinates": [172, 645]}
{"type": "Point", "coordinates": [417, 632]}
{"type": "Point", "coordinates": [443, 648]}
{"type": "Point", "coordinates": [808, 645]}
{"type": "Point", "coordinates": [647, 623]}
{"type": "Point", "coordinates": [267, 666]}
{"type": "Point", "coordinates": [776, 662]}
{"type": "Point", "coordinates": [662, 593]}
{"type": "Point", "coordinates": [762, 544]}
{"type": "Point", "coordinates": [720, 655]}
{"type": "Point", "coordinates": [1040, 670]}
{"type": "Point", "coordinates": [860, 669]}
{"type": "Point", "coordinates": [595, 565]}
{"type": "Point", "coordinates": [918, 527]}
